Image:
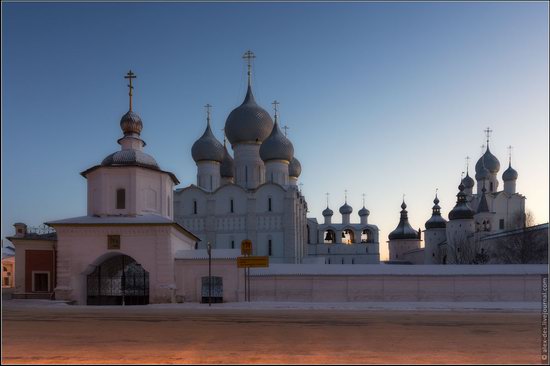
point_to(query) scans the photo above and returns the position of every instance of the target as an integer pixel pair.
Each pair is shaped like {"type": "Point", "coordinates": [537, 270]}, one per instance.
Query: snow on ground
{"type": "Point", "coordinates": [343, 306]}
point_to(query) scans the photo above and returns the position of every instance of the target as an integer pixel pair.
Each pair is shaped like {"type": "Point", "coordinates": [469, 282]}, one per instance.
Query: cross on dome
{"type": "Point", "coordinates": [249, 56]}
{"type": "Point", "coordinates": [130, 75]}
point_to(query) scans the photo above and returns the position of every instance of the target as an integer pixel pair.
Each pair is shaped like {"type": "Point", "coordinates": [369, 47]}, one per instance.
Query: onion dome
{"type": "Point", "coordinates": [131, 123]}
{"type": "Point", "coordinates": [467, 181]}
{"type": "Point", "coordinates": [490, 161]}
{"type": "Point", "coordinates": [294, 168]}
{"type": "Point", "coordinates": [363, 212]}
{"type": "Point", "coordinates": [436, 221]}
{"type": "Point", "coordinates": [276, 146]}
{"type": "Point", "coordinates": [130, 157]}
{"type": "Point", "coordinates": [509, 174]}
{"type": "Point", "coordinates": [207, 147]}
{"type": "Point", "coordinates": [248, 123]}
{"type": "Point", "coordinates": [327, 212]}
{"type": "Point", "coordinates": [227, 167]}
{"type": "Point", "coordinates": [346, 209]}
{"type": "Point", "coordinates": [461, 210]}
{"type": "Point", "coordinates": [403, 229]}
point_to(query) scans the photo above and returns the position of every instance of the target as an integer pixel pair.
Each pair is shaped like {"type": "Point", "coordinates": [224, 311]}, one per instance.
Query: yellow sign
{"type": "Point", "coordinates": [252, 262]}
{"type": "Point", "coordinates": [246, 247]}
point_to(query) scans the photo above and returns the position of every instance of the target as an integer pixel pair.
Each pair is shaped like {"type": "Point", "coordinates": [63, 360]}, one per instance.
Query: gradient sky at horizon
{"type": "Point", "coordinates": [384, 99]}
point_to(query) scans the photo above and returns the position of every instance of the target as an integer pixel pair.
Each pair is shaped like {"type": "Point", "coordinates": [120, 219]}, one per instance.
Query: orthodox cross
{"type": "Point", "coordinates": [275, 105]}
{"type": "Point", "coordinates": [467, 164]}
{"type": "Point", "coordinates": [436, 192]}
{"type": "Point", "coordinates": [130, 75]}
{"type": "Point", "coordinates": [346, 195]}
{"type": "Point", "coordinates": [208, 108]}
{"type": "Point", "coordinates": [249, 56]}
{"type": "Point", "coordinates": [285, 127]}
{"type": "Point", "coordinates": [482, 148]}
{"type": "Point", "coordinates": [488, 134]}
{"type": "Point", "coordinates": [327, 194]}
{"type": "Point", "coordinates": [363, 200]}
{"type": "Point", "coordinates": [510, 154]}
{"type": "Point", "coordinates": [224, 138]}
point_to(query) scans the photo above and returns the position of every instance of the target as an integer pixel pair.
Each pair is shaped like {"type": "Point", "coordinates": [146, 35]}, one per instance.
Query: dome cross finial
{"type": "Point", "coordinates": [346, 195]}
{"type": "Point", "coordinates": [130, 75]}
{"type": "Point", "coordinates": [510, 155]}
{"type": "Point", "coordinates": [249, 56]}
{"type": "Point", "coordinates": [286, 128]}
{"type": "Point", "coordinates": [327, 194]}
{"type": "Point", "coordinates": [363, 199]}
{"type": "Point", "coordinates": [488, 132]}
{"type": "Point", "coordinates": [208, 108]}
{"type": "Point", "coordinates": [467, 164]}
{"type": "Point", "coordinates": [275, 105]}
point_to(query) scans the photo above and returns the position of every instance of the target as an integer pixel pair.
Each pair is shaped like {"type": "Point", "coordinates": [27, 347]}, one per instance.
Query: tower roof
{"type": "Point", "coordinates": [403, 230]}
{"type": "Point", "coordinates": [436, 221]}
{"type": "Point", "coordinates": [277, 146]}
{"type": "Point", "coordinates": [207, 147]}
{"type": "Point", "coordinates": [461, 210]}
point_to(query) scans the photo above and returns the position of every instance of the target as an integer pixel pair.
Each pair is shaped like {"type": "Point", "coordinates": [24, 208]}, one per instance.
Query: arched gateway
{"type": "Point", "coordinates": [119, 280]}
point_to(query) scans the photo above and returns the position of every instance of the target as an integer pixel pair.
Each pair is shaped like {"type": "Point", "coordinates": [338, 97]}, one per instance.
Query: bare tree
{"type": "Point", "coordinates": [525, 245]}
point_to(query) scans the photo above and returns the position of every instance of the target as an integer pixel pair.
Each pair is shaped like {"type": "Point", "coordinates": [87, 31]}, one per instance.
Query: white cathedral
{"type": "Point", "coordinates": [254, 195]}
{"type": "Point", "coordinates": [475, 220]}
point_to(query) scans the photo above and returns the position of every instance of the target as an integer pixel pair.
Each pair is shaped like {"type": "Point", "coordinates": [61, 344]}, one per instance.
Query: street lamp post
{"type": "Point", "coordinates": [209, 250]}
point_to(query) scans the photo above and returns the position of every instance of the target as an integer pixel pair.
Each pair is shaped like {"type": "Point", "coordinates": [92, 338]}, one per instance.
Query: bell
{"type": "Point", "coordinates": [327, 237]}
{"type": "Point", "coordinates": [343, 234]}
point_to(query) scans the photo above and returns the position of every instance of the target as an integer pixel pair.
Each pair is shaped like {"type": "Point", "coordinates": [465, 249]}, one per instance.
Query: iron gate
{"type": "Point", "coordinates": [118, 280]}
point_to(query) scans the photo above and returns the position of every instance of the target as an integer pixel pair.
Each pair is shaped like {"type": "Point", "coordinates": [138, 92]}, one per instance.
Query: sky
{"type": "Point", "coordinates": [382, 99]}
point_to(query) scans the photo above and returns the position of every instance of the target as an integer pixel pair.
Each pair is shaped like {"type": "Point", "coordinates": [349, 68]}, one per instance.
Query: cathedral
{"type": "Point", "coordinates": [475, 222]}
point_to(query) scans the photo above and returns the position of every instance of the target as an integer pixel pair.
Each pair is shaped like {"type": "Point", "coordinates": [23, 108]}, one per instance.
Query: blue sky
{"type": "Point", "coordinates": [381, 98]}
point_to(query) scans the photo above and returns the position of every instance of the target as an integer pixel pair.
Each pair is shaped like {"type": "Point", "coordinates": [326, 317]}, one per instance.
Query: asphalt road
{"type": "Point", "coordinates": [73, 334]}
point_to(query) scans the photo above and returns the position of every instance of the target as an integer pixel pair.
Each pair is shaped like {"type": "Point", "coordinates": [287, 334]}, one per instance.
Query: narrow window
{"type": "Point", "coordinates": [168, 204]}
{"type": "Point", "coordinates": [232, 244]}
{"type": "Point", "coordinates": [246, 174]}
{"type": "Point", "coordinates": [231, 206]}
{"type": "Point", "coordinates": [501, 224]}
{"type": "Point", "coordinates": [269, 248]}
{"type": "Point", "coordinates": [269, 204]}
{"type": "Point", "coordinates": [121, 199]}
{"type": "Point", "coordinates": [195, 207]}
{"type": "Point", "coordinates": [211, 185]}
{"type": "Point", "coordinates": [491, 186]}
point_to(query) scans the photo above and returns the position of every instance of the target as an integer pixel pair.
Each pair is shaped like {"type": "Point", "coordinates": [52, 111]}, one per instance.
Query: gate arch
{"type": "Point", "coordinates": [118, 280]}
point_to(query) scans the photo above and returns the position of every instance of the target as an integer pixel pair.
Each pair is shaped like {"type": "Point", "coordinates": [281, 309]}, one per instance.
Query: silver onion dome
{"type": "Point", "coordinates": [327, 212]}
{"type": "Point", "coordinates": [363, 212]}
{"type": "Point", "coordinates": [130, 157]}
{"type": "Point", "coordinates": [294, 168]}
{"type": "Point", "coordinates": [509, 174]}
{"type": "Point", "coordinates": [468, 181]}
{"type": "Point", "coordinates": [346, 209]}
{"type": "Point", "coordinates": [490, 161]}
{"type": "Point", "coordinates": [131, 123]}
{"type": "Point", "coordinates": [207, 147]}
{"type": "Point", "coordinates": [276, 146]}
{"type": "Point", "coordinates": [227, 167]}
{"type": "Point", "coordinates": [403, 230]}
{"type": "Point", "coordinates": [248, 123]}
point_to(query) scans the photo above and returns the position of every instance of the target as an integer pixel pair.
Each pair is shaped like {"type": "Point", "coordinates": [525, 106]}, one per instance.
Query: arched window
{"type": "Point", "coordinates": [348, 236]}
{"type": "Point", "coordinates": [330, 236]}
{"type": "Point", "coordinates": [366, 236]}
{"type": "Point", "coordinates": [120, 199]}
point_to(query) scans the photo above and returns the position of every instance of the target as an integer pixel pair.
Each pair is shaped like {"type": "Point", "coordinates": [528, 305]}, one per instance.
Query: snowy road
{"type": "Point", "coordinates": [179, 334]}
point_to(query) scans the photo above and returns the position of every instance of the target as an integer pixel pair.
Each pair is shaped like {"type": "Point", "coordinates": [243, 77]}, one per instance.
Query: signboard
{"type": "Point", "coordinates": [113, 241]}
{"type": "Point", "coordinates": [246, 247]}
{"type": "Point", "coordinates": [253, 262]}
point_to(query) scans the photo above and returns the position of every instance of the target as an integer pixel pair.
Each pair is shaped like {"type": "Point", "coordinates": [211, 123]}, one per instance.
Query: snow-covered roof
{"type": "Point", "coordinates": [399, 270]}
{"type": "Point", "coordinates": [121, 220]}
{"type": "Point", "coordinates": [203, 254]}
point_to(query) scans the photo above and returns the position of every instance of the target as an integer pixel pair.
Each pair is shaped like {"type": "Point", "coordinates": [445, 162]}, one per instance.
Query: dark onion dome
{"type": "Point", "coordinates": [227, 167]}
{"type": "Point", "coordinates": [468, 181]}
{"type": "Point", "coordinates": [207, 147]}
{"type": "Point", "coordinates": [490, 161]}
{"type": "Point", "coordinates": [364, 212]}
{"type": "Point", "coordinates": [294, 168]}
{"type": "Point", "coordinates": [346, 209]}
{"type": "Point", "coordinates": [403, 229]}
{"type": "Point", "coordinates": [436, 221]}
{"type": "Point", "coordinates": [462, 210]}
{"type": "Point", "coordinates": [509, 174]}
{"type": "Point", "coordinates": [276, 146]}
{"type": "Point", "coordinates": [130, 157]}
{"type": "Point", "coordinates": [131, 123]}
{"type": "Point", "coordinates": [327, 212]}
{"type": "Point", "coordinates": [248, 123]}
